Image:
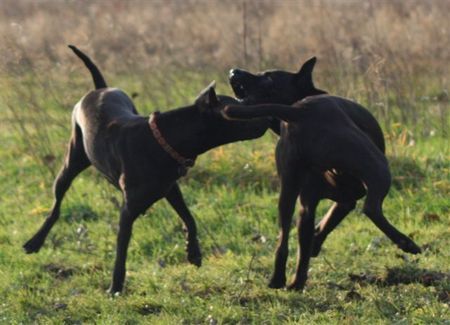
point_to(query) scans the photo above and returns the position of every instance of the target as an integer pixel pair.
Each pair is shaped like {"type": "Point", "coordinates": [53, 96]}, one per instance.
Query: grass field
{"type": "Point", "coordinates": [360, 276]}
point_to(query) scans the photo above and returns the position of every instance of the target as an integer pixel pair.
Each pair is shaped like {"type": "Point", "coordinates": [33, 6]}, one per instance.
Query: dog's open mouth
{"type": "Point", "coordinates": [239, 90]}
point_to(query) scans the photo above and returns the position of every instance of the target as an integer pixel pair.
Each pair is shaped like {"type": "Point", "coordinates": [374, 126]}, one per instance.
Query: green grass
{"type": "Point", "coordinates": [359, 278]}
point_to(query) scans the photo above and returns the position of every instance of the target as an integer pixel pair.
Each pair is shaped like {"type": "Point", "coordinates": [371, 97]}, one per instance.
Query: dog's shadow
{"type": "Point", "coordinates": [79, 213]}
{"type": "Point", "coordinates": [403, 275]}
{"type": "Point", "coordinates": [408, 275]}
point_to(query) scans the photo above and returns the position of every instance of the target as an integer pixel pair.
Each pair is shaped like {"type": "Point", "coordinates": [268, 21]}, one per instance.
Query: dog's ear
{"type": "Point", "coordinates": [207, 98]}
{"type": "Point", "coordinates": [304, 78]}
{"type": "Point", "coordinates": [308, 66]}
{"type": "Point", "coordinates": [304, 75]}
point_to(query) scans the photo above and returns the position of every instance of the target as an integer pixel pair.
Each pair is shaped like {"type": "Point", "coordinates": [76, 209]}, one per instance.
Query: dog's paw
{"type": "Point", "coordinates": [277, 283]}
{"type": "Point", "coordinates": [296, 286]}
{"type": "Point", "coordinates": [113, 293]}
{"type": "Point", "coordinates": [115, 290]}
{"type": "Point", "coordinates": [195, 259]}
{"type": "Point", "coordinates": [194, 255]}
{"type": "Point", "coordinates": [32, 246]}
{"type": "Point", "coordinates": [408, 246]}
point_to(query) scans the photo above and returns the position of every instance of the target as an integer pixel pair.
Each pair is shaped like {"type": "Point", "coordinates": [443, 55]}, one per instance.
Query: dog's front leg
{"type": "Point", "coordinates": [127, 218]}
{"type": "Point", "coordinates": [286, 206]}
{"type": "Point", "coordinates": [175, 198]}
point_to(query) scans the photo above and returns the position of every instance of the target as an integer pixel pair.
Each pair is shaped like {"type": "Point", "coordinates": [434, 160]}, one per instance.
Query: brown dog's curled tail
{"type": "Point", "coordinates": [283, 112]}
{"type": "Point", "coordinates": [99, 81]}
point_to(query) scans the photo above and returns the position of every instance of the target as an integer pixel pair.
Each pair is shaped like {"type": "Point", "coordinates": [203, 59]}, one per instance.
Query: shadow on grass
{"type": "Point", "coordinates": [407, 275]}
{"type": "Point", "coordinates": [78, 213]}
{"type": "Point", "coordinates": [403, 275]}
{"type": "Point", "coordinates": [59, 271]}
{"type": "Point", "coordinates": [148, 308]}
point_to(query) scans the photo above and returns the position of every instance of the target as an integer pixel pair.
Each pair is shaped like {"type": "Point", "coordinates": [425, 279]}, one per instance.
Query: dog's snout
{"type": "Point", "coordinates": [235, 73]}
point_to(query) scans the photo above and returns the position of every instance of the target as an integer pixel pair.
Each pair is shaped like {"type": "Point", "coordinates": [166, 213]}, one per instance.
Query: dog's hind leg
{"type": "Point", "coordinates": [75, 162]}
{"type": "Point", "coordinates": [305, 233]}
{"type": "Point", "coordinates": [286, 206]}
{"type": "Point", "coordinates": [175, 198]}
{"type": "Point", "coordinates": [337, 212]}
{"type": "Point", "coordinates": [377, 190]}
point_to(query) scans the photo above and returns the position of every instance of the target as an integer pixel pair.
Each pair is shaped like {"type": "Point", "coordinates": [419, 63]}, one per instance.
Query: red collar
{"type": "Point", "coordinates": [184, 162]}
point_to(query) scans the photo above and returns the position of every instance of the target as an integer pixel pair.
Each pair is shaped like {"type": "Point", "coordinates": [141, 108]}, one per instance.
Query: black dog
{"type": "Point", "coordinates": [142, 157]}
{"type": "Point", "coordinates": [281, 87]}
{"type": "Point", "coordinates": [318, 137]}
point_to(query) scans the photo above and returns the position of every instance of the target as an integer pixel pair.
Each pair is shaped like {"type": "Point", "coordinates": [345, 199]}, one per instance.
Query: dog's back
{"type": "Point", "coordinates": [101, 115]}
{"type": "Point", "coordinates": [105, 105]}
{"type": "Point", "coordinates": [356, 113]}
{"type": "Point", "coordinates": [323, 134]}
{"type": "Point", "coordinates": [328, 138]}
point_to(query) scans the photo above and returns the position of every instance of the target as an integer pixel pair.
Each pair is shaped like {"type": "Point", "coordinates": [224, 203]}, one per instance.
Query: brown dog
{"type": "Point", "coordinates": [142, 157]}
{"type": "Point", "coordinates": [318, 143]}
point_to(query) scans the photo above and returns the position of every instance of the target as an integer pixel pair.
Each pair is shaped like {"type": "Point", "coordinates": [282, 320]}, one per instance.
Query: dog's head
{"type": "Point", "coordinates": [274, 86]}
{"type": "Point", "coordinates": [219, 130]}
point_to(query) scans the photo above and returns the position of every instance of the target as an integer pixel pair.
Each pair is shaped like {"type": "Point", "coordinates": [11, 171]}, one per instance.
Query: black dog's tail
{"type": "Point", "coordinates": [99, 81]}
{"type": "Point", "coordinates": [283, 112]}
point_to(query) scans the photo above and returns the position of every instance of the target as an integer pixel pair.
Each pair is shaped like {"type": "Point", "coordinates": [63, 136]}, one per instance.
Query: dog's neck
{"type": "Point", "coordinates": [183, 161]}
{"type": "Point", "coordinates": [182, 129]}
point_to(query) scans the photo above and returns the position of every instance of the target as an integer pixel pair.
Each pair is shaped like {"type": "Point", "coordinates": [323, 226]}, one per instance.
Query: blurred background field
{"type": "Point", "coordinates": [391, 56]}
